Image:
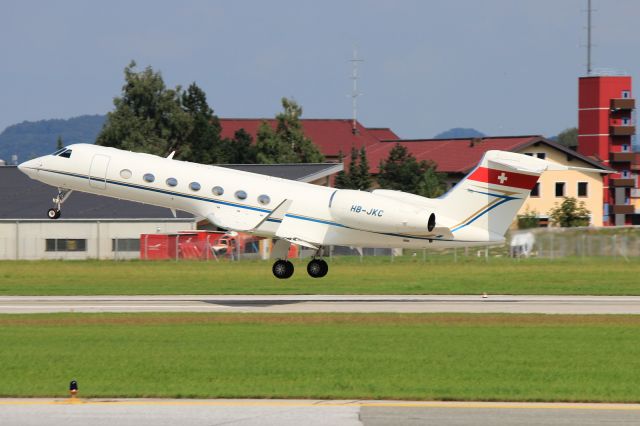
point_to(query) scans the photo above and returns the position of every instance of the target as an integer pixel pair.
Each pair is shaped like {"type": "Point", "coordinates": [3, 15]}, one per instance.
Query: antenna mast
{"type": "Point", "coordinates": [354, 92]}
{"type": "Point", "coordinates": [589, 45]}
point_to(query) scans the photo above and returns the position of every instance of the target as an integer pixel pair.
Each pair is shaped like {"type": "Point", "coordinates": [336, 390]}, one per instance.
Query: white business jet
{"type": "Point", "coordinates": [477, 211]}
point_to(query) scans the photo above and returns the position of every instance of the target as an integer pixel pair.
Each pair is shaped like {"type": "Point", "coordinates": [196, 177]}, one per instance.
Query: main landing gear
{"type": "Point", "coordinates": [317, 268]}
{"type": "Point", "coordinates": [55, 212]}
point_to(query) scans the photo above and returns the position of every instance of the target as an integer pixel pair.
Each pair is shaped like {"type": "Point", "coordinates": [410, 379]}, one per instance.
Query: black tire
{"type": "Point", "coordinates": [58, 214]}
{"type": "Point", "coordinates": [317, 268]}
{"type": "Point", "coordinates": [325, 268]}
{"type": "Point", "coordinates": [282, 269]}
{"type": "Point", "coordinates": [290, 269]}
{"type": "Point", "coordinates": [53, 214]}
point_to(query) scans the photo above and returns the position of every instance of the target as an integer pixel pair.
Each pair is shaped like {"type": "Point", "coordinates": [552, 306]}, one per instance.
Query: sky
{"type": "Point", "coordinates": [504, 67]}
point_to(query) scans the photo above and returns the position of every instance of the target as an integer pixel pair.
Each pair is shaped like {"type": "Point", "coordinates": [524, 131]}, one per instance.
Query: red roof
{"type": "Point", "coordinates": [330, 135]}
{"type": "Point", "coordinates": [451, 155]}
{"type": "Point", "coordinates": [383, 133]}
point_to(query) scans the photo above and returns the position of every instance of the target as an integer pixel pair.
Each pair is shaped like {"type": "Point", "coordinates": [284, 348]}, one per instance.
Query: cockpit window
{"type": "Point", "coordinates": [58, 151]}
{"type": "Point", "coordinates": [65, 154]}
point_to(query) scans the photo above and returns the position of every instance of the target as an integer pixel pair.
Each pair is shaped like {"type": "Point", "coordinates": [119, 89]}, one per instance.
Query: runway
{"type": "Point", "coordinates": [143, 412]}
{"type": "Point", "coordinates": [326, 303]}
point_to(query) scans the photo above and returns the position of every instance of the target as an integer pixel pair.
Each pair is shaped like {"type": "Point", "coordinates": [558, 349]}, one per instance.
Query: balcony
{"type": "Point", "coordinates": [622, 183]}
{"type": "Point", "coordinates": [621, 157]}
{"type": "Point", "coordinates": [623, 209]}
{"type": "Point", "coordinates": [622, 104]}
{"type": "Point", "coordinates": [622, 130]}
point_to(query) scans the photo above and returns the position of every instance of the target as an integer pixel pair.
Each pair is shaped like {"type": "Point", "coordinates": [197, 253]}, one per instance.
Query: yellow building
{"type": "Point", "coordinates": [553, 185]}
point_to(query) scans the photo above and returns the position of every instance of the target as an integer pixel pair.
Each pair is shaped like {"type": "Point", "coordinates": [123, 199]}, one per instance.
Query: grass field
{"type": "Point", "coordinates": [376, 275]}
{"type": "Point", "coordinates": [394, 356]}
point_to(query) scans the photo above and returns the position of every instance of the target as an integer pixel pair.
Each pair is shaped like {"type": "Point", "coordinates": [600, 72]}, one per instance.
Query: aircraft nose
{"type": "Point", "coordinates": [31, 167]}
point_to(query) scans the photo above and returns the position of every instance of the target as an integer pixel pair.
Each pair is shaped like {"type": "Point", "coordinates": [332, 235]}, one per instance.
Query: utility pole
{"type": "Point", "coordinates": [355, 61]}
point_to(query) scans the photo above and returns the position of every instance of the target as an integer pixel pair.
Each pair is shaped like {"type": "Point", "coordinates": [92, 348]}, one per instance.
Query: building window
{"type": "Point", "coordinates": [541, 155]}
{"type": "Point", "coordinates": [217, 190]}
{"type": "Point", "coordinates": [626, 121]}
{"type": "Point", "coordinates": [241, 195]}
{"type": "Point", "coordinates": [148, 177]}
{"type": "Point", "coordinates": [195, 186]}
{"type": "Point", "coordinates": [625, 147]}
{"type": "Point", "coordinates": [125, 244]}
{"type": "Point", "coordinates": [535, 192]}
{"type": "Point", "coordinates": [626, 94]}
{"type": "Point", "coordinates": [625, 173]}
{"type": "Point", "coordinates": [559, 189]}
{"type": "Point", "coordinates": [125, 173]}
{"type": "Point", "coordinates": [172, 182]}
{"type": "Point", "coordinates": [65, 244]}
{"type": "Point", "coordinates": [583, 189]}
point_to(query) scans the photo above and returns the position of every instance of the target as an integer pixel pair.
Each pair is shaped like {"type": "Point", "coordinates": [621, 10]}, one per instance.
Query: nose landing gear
{"type": "Point", "coordinates": [63, 194]}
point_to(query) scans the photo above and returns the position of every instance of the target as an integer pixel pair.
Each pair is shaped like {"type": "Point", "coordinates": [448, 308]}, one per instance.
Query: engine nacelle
{"type": "Point", "coordinates": [370, 212]}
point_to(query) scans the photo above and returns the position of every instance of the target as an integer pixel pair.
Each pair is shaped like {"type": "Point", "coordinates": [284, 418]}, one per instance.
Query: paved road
{"type": "Point", "coordinates": [141, 412]}
{"type": "Point", "coordinates": [329, 303]}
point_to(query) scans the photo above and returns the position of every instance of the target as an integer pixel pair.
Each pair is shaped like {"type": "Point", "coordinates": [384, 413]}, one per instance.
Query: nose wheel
{"type": "Point", "coordinates": [317, 268]}
{"type": "Point", "coordinates": [282, 269]}
{"type": "Point", "coordinates": [63, 194]}
{"type": "Point", "coordinates": [53, 213]}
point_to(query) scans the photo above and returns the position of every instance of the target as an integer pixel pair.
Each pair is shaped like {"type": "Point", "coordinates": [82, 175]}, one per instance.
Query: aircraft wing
{"type": "Point", "coordinates": [245, 221]}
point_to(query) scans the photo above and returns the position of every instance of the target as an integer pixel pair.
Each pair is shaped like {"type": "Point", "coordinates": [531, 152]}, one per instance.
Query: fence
{"type": "Point", "coordinates": [549, 243]}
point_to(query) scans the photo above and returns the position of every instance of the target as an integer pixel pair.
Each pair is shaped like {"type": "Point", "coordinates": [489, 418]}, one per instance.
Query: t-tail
{"type": "Point", "coordinates": [483, 205]}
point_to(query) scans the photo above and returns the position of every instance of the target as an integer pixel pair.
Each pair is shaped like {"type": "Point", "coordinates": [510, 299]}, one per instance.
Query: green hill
{"type": "Point", "coordinates": [31, 139]}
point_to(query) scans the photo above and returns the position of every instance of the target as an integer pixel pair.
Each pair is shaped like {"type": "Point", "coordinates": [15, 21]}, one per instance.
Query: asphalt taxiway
{"type": "Point", "coordinates": [325, 303]}
{"type": "Point", "coordinates": [143, 412]}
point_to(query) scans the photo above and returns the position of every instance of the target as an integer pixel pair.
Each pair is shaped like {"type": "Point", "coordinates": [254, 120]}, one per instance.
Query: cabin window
{"type": "Point", "coordinates": [65, 154]}
{"type": "Point", "coordinates": [241, 195]}
{"type": "Point", "coordinates": [148, 177]}
{"type": "Point", "coordinates": [195, 186]}
{"type": "Point", "coordinates": [264, 199]}
{"type": "Point", "coordinates": [583, 189]}
{"type": "Point", "coordinates": [125, 173]}
{"type": "Point", "coordinates": [172, 182]}
{"type": "Point", "coordinates": [559, 189]}
{"type": "Point", "coordinates": [217, 190]}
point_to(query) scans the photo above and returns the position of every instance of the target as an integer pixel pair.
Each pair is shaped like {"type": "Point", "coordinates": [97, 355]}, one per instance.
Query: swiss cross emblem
{"type": "Point", "coordinates": [502, 178]}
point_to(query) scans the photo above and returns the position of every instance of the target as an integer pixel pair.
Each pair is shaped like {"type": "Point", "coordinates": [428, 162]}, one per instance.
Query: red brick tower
{"type": "Point", "coordinates": [605, 128]}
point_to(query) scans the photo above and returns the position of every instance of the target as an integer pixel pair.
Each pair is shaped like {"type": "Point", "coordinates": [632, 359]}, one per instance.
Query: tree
{"type": "Point", "coordinates": [569, 213]}
{"type": "Point", "coordinates": [203, 140]}
{"type": "Point", "coordinates": [431, 184]}
{"type": "Point", "coordinates": [364, 176]}
{"type": "Point", "coordinates": [148, 117]}
{"type": "Point", "coordinates": [287, 143]}
{"type": "Point", "coordinates": [569, 137]}
{"type": "Point", "coordinates": [343, 180]}
{"type": "Point", "coordinates": [402, 172]}
{"type": "Point", "coordinates": [529, 219]}
{"type": "Point", "coordinates": [240, 149]}
{"type": "Point", "coordinates": [357, 175]}
{"type": "Point", "coordinates": [59, 143]}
